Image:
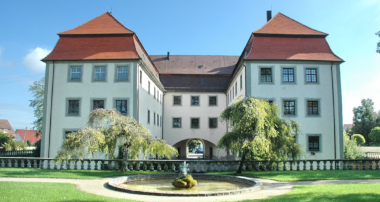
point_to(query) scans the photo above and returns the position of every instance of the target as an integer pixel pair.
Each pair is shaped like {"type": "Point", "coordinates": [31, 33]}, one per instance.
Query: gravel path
{"type": "Point", "coordinates": [270, 188]}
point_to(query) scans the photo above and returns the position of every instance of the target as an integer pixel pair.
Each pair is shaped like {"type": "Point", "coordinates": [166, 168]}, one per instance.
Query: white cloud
{"type": "Point", "coordinates": [33, 60]}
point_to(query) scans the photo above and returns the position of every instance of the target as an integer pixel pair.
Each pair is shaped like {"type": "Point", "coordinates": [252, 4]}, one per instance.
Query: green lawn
{"type": "Point", "coordinates": [69, 174]}
{"type": "Point", "coordinates": [38, 191]}
{"type": "Point", "coordinates": [332, 192]}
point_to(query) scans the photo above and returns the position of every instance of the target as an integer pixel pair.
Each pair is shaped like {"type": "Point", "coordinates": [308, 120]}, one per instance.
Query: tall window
{"type": "Point", "coordinates": [314, 143]}
{"type": "Point", "coordinates": [236, 88]}
{"type": "Point", "coordinates": [154, 92]}
{"type": "Point", "coordinates": [75, 73]}
{"type": "Point", "coordinates": [148, 116]}
{"type": "Point", "coordinates": [177, 100]}
{"type": "Point", "coordinates": [311, 75]}
{"type": "Point", "coordinates": [73, 108]}
{"type": "Point", "coordinates": [154, 118]}
{"type": "Point", "coordinates": [312, 108]}
{"type": "Point", "coordinates": [194, 100]}
{"type": "Point", "coordinates": [176, 122]}
{"type": "Point", "coordinates": [289, 107]}
{"type": "Point", "coordinates": [121, 106]}
{"type": "Point", "coordinates": [149, 87]}
{"type": "Point", "coordinates": [122, 73]}
{"type": "Point", "coordinates": [288, 75]}
{"type": "Point", "coordinates": [100, 74]}
{"type": "Point", "coordinates": [97, 104]}
{"type": "Point", "coordinates": [266, 75]}
{"type": "Point", "coordinates": [140, 77]}
{"type": "Point", "coordinates": [212, 101]}
{"type": "Point", "coordinates": [194, 122]}
{"type": "Point", "coordinates": [213, 122]}
{"type": "Point", "coordinates": [158, 120]}
{"type": "Point", "coordinates": [241, 81]}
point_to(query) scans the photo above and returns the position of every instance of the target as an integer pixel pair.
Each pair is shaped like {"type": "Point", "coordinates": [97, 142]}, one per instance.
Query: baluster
{"type": "Point", "coordinates": [2, 163]}
{"type": "Point", "coordinates": [173, 167]}
{"type": "Point", "coordinates": [304, 165]}
{"type": "Point", "coordinates": [284, 165]}
{"type": "Point", "coordinates": [55, 165]}
{"type": "Point", "coordinates": [318, 168]}
{"type": "Point", "coordinates": [75, 165]}
{"type": "Point", "coordinates": [23, 163]}
{"type": "Point", "coordinates": [364, 165]}
{"type": "Point", "coordinates": [88, 164]}
{"type": "Point", "coordinates": [151, 166]}
{"type": "Point", "coordinates": [96, 167]}
{"type": "Point", "coordinates": [265, 166]}
{"type": "Point", "coordinates": [28, 164]}
{"type": "Point", "coordinates": [331, 165]}
{"type": "Point", "coordinates": [82, 165]}
{"type": "Point", "coordinates": [16, 163]}
{"type": "Point", "coordinates": [370, 165]}
{"type": "Point", "coordinates": [324, 165]}
{"type": "Point", "coordinates": [350, 165]}
{"type": "Point", "coordinates": [277, 165]}
{"type": "Point", "coordinates": [337, 165]}
{"type": "Point", "coordinates": [35, 164]}
{"type": "Point", "coordinates": [159, 166]}
{"type": "Point", "coordinates": [311, 165]}
{"type": "Point", "coordinates": [166, 168]}
{"type": "Point", "coordinates": [377, 165]}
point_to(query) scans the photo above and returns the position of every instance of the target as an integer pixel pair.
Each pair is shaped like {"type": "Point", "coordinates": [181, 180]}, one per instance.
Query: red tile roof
{"type": "Point", "coordinates": [282, 24]}
{"type": "Point", "coordinates": [103, 24]}
{"type": "Point", "coordinates": [94, 48]}
{"type": "Point", "coordinates": [4, 124]}
{"type": "Point", "coordinates": [291, 48]}
{"type": "Point", "coordinates": [30, 135]}
{"type": "Point", "coordinates": [189, 64]}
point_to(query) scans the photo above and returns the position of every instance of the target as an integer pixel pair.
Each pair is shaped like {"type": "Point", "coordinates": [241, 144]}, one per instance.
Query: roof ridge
{"type": "Point", "coordinates": [109, 13]}
{"type": "Point", "coordinates": [279, 13]}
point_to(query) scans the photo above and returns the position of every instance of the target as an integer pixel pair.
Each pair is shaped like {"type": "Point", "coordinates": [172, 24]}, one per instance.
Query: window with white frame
{"type": "Point", "coordinates": [122, 73]}
{"type": "Point", "coordinates": [75, 73]}
{"type": "Point", "coordinates": [99, 73]}
{"type": "Point", "coordinates": [122, 106]}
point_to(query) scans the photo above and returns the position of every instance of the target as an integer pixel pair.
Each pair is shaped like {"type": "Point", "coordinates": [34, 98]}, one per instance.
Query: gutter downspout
{"type": "Point", "coordinates": [163, 113]}
{"type": "Point", "coordinates": [333, 99]}
{"type": "Point", "coordinates": [51, 110]}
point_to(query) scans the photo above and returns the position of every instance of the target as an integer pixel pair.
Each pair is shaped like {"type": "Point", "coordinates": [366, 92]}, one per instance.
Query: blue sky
{"type": "Point", "coordinates": [28, 32]}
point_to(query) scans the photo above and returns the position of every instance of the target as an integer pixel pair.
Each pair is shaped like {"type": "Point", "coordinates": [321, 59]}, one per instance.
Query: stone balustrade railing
{"type": "Point", "coordinates": [193, 165]}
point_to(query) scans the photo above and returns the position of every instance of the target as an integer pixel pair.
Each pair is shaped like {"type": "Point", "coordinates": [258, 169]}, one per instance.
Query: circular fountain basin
{"type": "Point", "coordinates": [208, 185]}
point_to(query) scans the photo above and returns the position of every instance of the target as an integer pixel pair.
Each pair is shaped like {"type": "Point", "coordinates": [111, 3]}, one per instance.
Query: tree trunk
{"type": "Point", "coordinates": [241, 163]}
{"type": "Point", "coordinates": [125, 159]}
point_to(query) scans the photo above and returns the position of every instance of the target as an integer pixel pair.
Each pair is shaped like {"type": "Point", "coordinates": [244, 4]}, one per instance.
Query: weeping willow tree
{"type": "Point", "coordinates": [258, 133]}
{"type": "Point", "coordinates": [108, 130]}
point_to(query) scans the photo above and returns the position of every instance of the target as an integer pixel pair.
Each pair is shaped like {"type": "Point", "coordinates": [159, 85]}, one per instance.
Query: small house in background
{"type": "Point", "coordinates": [5, 127]}
{"type": "Point", "coordinates": [27, 135]}
{"type": "Point", "coordinates": [347, 127]}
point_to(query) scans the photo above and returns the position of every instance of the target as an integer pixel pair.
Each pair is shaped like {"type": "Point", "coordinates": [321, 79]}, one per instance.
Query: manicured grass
{"type": "Point", "coordinates": [69, 174]}
{"type": "Point", "coordinates": [31, 191]}
{"type": "Point", "coordinates": [286, 176]}
{"type": "Point", "coordinates": [331, 192]}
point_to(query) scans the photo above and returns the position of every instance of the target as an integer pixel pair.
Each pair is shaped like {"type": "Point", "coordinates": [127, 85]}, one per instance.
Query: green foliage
{"type": "Point", "coordinates": [351, 149]}
{"type": "Point", "coordinates": [37, 151]}
{"type": "Point", "coordinates": [193, 144]}
{"type": "Point", "coordinates": [358, 138]}
{"type": "Point", "coordinates": [258, 132]}
{"type": "Point", "coordinates": [107, 131]}
{"type": "Point", "coordinates": [185, 181]}
{"type": "Point", "coordinates": [4, 138]}
{"type": "Point", "coordinates": [14, 145]}
{"type": "Point", "coordinates": [37, 89]}
{"type": "Point", "coordinates": [364, 118]}
{"type": "Point", "coordinates": [374, 135]}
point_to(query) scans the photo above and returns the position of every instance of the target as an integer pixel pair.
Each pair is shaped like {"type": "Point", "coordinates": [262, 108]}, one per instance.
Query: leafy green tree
{"type": "Point", "coordinates": [193, 144]}
{"type": "Point", "coordinates": [4, 138]}
{"type": "Point", "coordinates": [107, 131]}
{"type": "Point", "coordinates": [37, 89]}
{"type": "Point", "coordinates": [358, 138]}
{"type": "Point", "coordinates": [374, 135]}
{"type": "Point", "coordinates": [364, 118]}
{"type": "Point", "coordinates": [257, 132]}
{"type": "Point", "coordinates": [351, 149]}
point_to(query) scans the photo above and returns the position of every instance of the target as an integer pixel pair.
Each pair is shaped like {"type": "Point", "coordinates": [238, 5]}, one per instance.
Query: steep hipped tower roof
{"type": "Point", "coordinates": [102, 38]}
{"type": "Point", "coordinates": [283, 38]}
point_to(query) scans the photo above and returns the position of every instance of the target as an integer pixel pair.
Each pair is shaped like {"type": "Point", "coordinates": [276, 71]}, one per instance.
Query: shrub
{"type": "Point", "coordinates": [4, 138]}
{"type": "Point", "coordinates": [351, 149]}
{"type": "Point", "coordinates": [358, 138]}
{"type": "Point", "coordinates": [185, 181]}
{"type": "Point", "coordinates": [374, 135]}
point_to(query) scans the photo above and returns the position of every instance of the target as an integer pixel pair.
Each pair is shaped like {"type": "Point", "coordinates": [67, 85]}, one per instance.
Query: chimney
{"type": "Point", "coordinates": [269, 15]}
{"type": "Point", "coordinates": [168, 56]}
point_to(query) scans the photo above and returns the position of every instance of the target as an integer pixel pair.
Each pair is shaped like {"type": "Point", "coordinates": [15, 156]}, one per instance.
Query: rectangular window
{"type": "Point", "coordinates": [177, 100]}
{"type": "Point", "coordinates": [311, 75]}
{"type": "Point", "coordinates": [154, 118]}
{"type": "Point", "coordinates": [97, 104]}
{"type": "Point", "coordinates": [154, 92]}
{"type": "Point", "coordinates": [213, 122]}
{"type": "Point", "coordinates": [194, 100]}
{"type": "Point", "coordinates": [149, 87]}
{"type": "Point", "coordinates": [312, 108]}
{"type": "Point", "coordinates": [121, 106]}
{"type": "Point", "coordinates": [158, 120]}
{"type": "Point", "coordinates": [148, 116]}
{"type": "Point", "coordinates": [122, 74]}
{"type": "Point", "coordinates": [69, 132]}
{"type": "Point", "coordinates": [241, 82]}
{"type": "Point", "coordinates": [158, 93]}
{"type": "Point", "coordinates": [266, 75]}
{"type": "Point", "coordinates": [100, 74]}
{"type": "Point", "coordinates": [73, 108]}
{"type": "Point", "coordinates": [194, 122]}
{"type": "Point", "coordinates": [314, 143]}
{"type": "Point", "coordinates": [75, 73]}
{"type": "Point", "coordinates": [212, 101]}
{"type": "Point", "coordinates": [290, 107]}
{"type": "Point", "coordinates": [236, 88]}
{"type": "Point", "coordinates": [177, 123]}
{"type": "Point", "coordinates": [140, 77]}
{"type": "Point", "coordinates": [288, 75]}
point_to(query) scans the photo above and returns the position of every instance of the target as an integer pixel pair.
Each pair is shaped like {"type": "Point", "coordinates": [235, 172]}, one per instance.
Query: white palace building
{"type": "Point", "coordinates": [179, 98]}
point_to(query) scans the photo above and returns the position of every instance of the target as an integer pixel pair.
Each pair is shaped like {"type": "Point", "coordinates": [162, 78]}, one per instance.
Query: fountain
{"type": "Point", "coordinates": [184, 180]}
{"type": "Point", "coordinates": [206, 184]}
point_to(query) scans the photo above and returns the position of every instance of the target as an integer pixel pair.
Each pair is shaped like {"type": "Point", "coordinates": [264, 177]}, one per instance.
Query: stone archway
{"type": "Point", "coordinates": [197, 151]}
